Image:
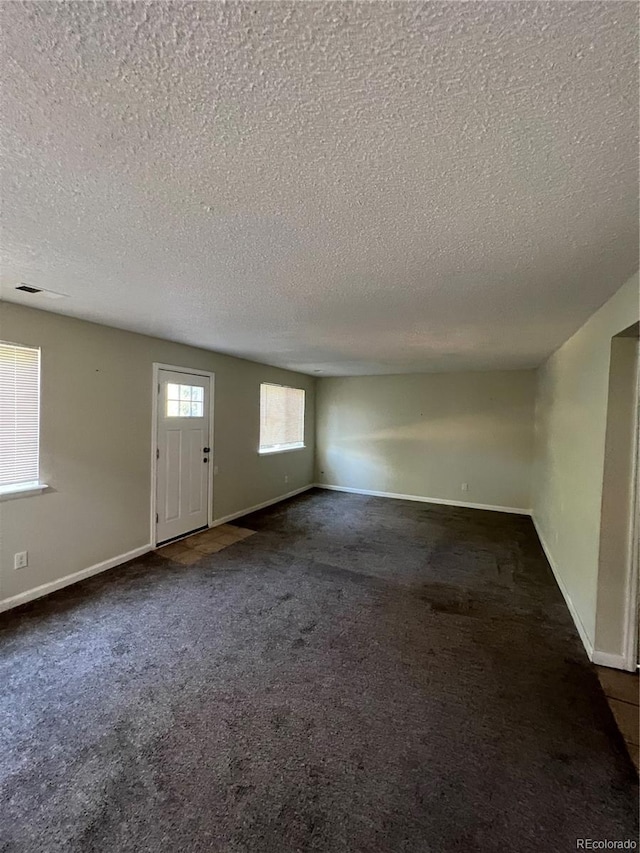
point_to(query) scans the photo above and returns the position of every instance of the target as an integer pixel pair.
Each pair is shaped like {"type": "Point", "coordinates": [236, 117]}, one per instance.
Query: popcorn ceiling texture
{"type": "Point", "coordinates": [357, 188]}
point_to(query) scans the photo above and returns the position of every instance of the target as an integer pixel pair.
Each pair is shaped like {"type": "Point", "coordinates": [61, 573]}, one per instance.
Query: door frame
{"type": "Point", "coordinates": [194, 371]}
{"type": "Point", "coordinates": [632, 611]}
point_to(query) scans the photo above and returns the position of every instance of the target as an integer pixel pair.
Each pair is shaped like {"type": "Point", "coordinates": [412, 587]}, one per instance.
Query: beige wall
{"type": "Point", "coordinates": [426, 434]}
{"type": "Point", "coordinates": [571, 422]}
{"type": "Point", "coordinates": [96, 444]}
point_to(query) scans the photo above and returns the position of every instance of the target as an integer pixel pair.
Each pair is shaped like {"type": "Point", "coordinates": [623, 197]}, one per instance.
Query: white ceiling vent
{"type": "Point", "coordinates": [48, 294]}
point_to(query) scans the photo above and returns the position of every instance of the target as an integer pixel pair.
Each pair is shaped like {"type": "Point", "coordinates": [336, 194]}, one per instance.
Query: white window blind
{"type": "Point", "coordinates": [281, 418]}
{"type": "Point", "coordinates": [19, 414]}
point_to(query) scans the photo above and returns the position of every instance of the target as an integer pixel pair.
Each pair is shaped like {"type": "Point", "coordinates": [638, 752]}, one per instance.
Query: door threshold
{"type": "Point", "coordinates": [181, 536]}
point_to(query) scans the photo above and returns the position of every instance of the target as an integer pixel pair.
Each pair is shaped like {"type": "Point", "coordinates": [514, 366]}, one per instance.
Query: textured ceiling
{"type": "Point", "coordinates": [356, 188]}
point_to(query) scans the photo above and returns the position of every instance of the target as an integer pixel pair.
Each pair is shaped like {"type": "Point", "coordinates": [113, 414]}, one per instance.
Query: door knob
{"type": "Point", "coordinates": [206, 450]}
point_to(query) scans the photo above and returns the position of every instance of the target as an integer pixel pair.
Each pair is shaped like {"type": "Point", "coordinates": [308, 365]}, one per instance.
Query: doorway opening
{"type": "Point", "coordinates": [616, 640]}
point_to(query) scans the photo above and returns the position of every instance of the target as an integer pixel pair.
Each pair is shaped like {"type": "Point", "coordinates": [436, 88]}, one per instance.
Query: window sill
{"type": "Point", "coordinates": [21, 490]}
{"type": "Point", "coordinates": [281, 450]}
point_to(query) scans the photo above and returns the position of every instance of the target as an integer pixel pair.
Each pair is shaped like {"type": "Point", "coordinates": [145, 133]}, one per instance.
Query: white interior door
{"type": "Point", "coordinates": [183, 454]}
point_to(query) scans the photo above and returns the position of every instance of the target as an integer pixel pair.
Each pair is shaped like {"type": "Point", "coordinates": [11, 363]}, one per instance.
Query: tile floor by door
{"type": "Point", "coordinates": [622, 690]}
{"type": "Point", "coordinates": [188, 551]}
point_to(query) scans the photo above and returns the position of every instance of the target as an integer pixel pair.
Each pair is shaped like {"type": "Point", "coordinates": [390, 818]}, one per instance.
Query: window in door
{"type": "Point", "coordinates": [184, 401]}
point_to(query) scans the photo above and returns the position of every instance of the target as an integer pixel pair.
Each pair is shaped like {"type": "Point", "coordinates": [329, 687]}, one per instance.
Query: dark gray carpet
{"type": "Point", "coordinates": [361, 675]}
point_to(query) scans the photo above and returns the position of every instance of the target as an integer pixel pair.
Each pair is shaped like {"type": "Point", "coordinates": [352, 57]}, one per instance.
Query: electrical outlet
{"type": "Point", "coordinates": [464, 487]}
{"type": "Point", "coordinates": [21, 560]}
{"type": "Point", "coordinates": [286, 478]}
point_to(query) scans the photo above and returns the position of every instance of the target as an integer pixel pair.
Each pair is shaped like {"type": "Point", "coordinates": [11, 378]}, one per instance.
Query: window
{"type": "Point", "coordinates": [19, 418]}
{"type": "Point", "coordinates": [281, 418]}
{"type": "Point", "coordinates": [184, 401]}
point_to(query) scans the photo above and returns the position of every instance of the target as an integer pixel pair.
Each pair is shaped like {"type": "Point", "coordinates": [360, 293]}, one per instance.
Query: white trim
{"type": "Point", "coordinates": [52, 586]}
{"type": "Point", "coordinates": [287, 449]}
{"type": "Point", "coordinates": [21, 490]}
{"type": "Point", "coordinates": [232, 516]}
{"type": "Point", "coordinates": [375, 494]}
{"type": "Point", "coordinates": [182, 369]}
{"type": "Point", "coordinates": [158, 366]}
{"type": "Point", "coordinates": [586, 640]}
{"type": "Point", "coordinates": [612, 661]}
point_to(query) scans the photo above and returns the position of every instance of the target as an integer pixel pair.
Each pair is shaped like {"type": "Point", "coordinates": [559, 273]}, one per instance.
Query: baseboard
{"type": "Point", "coordinates": [67, 580]}
{"type": "Point", "coordinates": [232, 516]}
{"type": "Point", "coordinates": [425, 500]}
{"type": "Point", "coordinates": [612, 661]}
{"type": "Point", "coordinates": [586, 640]}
